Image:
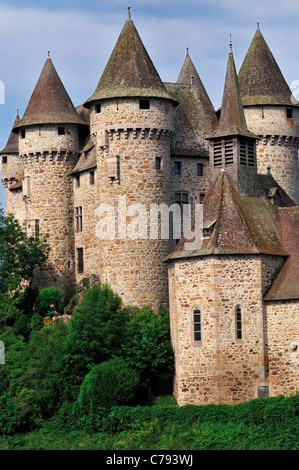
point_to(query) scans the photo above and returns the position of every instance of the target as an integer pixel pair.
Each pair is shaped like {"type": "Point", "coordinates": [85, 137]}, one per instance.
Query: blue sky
{"type": "Point", "coordinates": [81, 36]}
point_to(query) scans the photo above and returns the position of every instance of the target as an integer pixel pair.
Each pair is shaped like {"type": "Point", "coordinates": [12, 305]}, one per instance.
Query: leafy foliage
{"type": "Point", "coordinates": [19, 254]}
{"type": "Point", "coordinates": [108, 384]}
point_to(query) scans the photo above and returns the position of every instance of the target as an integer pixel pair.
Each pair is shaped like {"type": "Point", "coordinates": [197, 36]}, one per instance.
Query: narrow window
{"type": "Point", "coordinates": [77, 181]}
{"type": "Point", "coordinates": [181, 199]}
{"type": "Point", "coordinates": [98, 108]}
{"type": "Point", "coordinates": [197, 325]}
{"type": "Point", "coordinates": [23, 134]}
{"type": "Point", "coordinates": [238, 322]}
{"type": "Point", "coordinates": [217, 153]}
{"type": "Point", "coordinates": [289, 113]}
{"type": "Point", "coordinates": [199, 169]}
{"type": "Point", "coordinates": [201, 197]}
{"type": "Point", "coordinates": [61, 131]}
{"type": "Point", "coordinates": [228, 152]}
{"type": "Point", "coordinates": [91, 177]}
{"type": "Point", "coordinates": [4, 160]}
{"type": "Point", "coordinates": [79, 219]}
{"type": "Point", "coordinates": [80, 260]}
{"type": "Point", "coordinates": [158, 163]}
{"type": "Point", "coordinates": [144, 104]}
{"type": "Point", "coordinates": [177, 168]}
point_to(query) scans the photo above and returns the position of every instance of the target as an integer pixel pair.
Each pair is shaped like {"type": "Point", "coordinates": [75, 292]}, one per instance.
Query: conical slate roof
{"type": "Point", "coordinates": [12, 145]}
{"type": "Point", "coordinates": [188, 70]}
{"type": "Point", "coordinates": [232, 118]}
{"type": "Point", "coordinates": [49, 102]}
{"type": "Point", "coordinates": [260, 79]}
{"type": "Point", "coordinates": [129, 71]}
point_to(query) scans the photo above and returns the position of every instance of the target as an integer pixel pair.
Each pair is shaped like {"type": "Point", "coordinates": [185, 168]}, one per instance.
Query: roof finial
{"type": "Point", "coordinates": [187, 48]}
{"type": "Point", "coordinates": [17, 111]}
{"type": "Point", "coordinates": [258, 25]}
{"type": "Point", "coordinates": [48, 53]}
{"type": "Point", "coordinates": [230, 43]}
{"type": "Point", "coordinates": [129, 13]}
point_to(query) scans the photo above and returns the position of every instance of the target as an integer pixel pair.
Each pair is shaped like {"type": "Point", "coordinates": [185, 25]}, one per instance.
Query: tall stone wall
{"type": "Point", "coordinates": [188, 181]}
{"type": "Point", "coordinates": [282, 326]}
{"type": "Point", "coordinates": [220, 368]}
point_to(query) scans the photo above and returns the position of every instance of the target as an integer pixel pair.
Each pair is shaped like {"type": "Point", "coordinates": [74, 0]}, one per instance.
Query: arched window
{"type": "Point", "coordinates": [197, 324]}
{"type": "Point", "coordinates": [238, 322]}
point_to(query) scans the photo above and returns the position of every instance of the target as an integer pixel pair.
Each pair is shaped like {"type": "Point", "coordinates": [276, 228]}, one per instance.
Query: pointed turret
{"type": "Point", "coordinates": [12, 145]}
{"type": "Point", "coordinates": [233, 146]}
{"type": "Point", "coordinates": [129, 71]}
{"type": "Point", "coordinates": [260, 79]}
{"type": "Point", "coordinates": [49, 102]}
{"type": "Point", "coordinates": [189, 76]}
{"type": "Point", "coordinates": [232, 119]}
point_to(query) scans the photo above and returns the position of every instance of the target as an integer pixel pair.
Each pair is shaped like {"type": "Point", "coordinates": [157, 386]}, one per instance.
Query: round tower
{"type": "Point", "coordinates": [131, 115]}
{"type": "Point", "coordinates": [48, 148]}
{"type": "Point", "coordinates": [11, 173]}
{"type": "Point", "coordinates": [272, 113]}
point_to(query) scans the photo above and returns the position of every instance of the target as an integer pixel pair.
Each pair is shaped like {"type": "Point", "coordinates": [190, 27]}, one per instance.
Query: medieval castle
{"type": "Point", "coordinates": [234, 301]}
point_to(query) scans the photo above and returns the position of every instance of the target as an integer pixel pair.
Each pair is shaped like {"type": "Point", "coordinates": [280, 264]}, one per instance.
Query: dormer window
{"type": "Point", "coordinates": [144, 104]}
{"type": "Point", "coordinates": [208, 228]}
{"type": "Point", "coordinates": [274, 196]}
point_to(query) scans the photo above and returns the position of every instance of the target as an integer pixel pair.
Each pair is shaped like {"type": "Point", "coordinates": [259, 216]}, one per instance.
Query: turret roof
{"type": "Point", "coordinates": [243, 224]}
{"type": "Point", "coordinates": [188, 70]}
{"type": "Point", "coordinates": [260, 79]}
{"type": "Point", "coordinates": [232, 118]}
{"type": "Point", "coordinates": [193, 123]}
{"type": "Point", "coordinates": [129, 71]}
{"type": "Point", "coordinates": [12, 145]}
{"type": "Point", "coordinates": [49, 102]}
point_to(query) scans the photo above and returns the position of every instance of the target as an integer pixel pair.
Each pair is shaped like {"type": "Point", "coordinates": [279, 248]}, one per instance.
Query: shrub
{"type": "Point", "coordinates": [108, 384]}
{"type": "Point", "coordinates": [47, 297]}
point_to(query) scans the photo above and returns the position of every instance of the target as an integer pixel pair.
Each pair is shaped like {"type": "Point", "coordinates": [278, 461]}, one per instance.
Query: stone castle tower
{"type": "Point", "coordinates": [272, 113]}
{"type": "Point", "coordinates": [89, 177]}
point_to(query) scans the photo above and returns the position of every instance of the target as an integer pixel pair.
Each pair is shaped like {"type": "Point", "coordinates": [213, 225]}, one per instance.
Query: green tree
{"type": "Point", "coordinates": [96, 333]}
{"type": "Point", "coordinates": [97, 329]}
{"type": "Point", "coordinates": [147, 346]}
{"type": "Point", "coordinates": [19, 254]}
